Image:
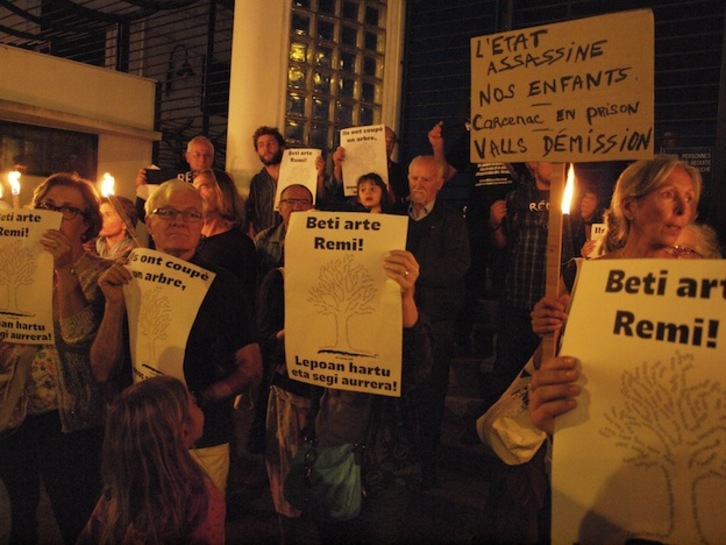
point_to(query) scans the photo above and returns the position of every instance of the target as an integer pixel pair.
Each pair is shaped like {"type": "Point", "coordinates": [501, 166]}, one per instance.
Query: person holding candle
{"type": "Point", "coordinates": [55, 431]}
{"type": "Point", "coordinates": [653, 202]}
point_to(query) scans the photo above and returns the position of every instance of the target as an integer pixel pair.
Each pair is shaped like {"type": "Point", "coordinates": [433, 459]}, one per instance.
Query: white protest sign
{"type": "Point", "coordinates": [162, 301]}
{"type": "Point", "coordinates": [597, 233]}
{"type": "Point", "coordinates": [644, 453]}
{"type": "Point", "coordinates": [343, 324]}
{"type": "Point", "coordinates": [365, 151]}
{"type": "Point", "coordinates": [575, 91]}
{"type": "Point", "coordinates": [26, 276]}
{"type": "Point", "coordinates": [298, 168]}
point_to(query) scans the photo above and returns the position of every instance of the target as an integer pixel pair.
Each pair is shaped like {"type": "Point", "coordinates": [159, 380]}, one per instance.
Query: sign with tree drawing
{"type": "Point", "coordinates": [343, 324]}
{"type": "Point", "coordinates": [162, 301]}
{"type": "Point", "coordinates": [644, 453]}
{"type": "Point", "coordinates": [26, 276]}
{"type": "Point", "coordinates": [365, 151]}
{"type": "Point", "coordinates": [298, 168]}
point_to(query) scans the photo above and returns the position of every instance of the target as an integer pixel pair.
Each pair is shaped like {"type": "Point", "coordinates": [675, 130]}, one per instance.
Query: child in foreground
{"type": "Point", "coordinates": [153, 491]}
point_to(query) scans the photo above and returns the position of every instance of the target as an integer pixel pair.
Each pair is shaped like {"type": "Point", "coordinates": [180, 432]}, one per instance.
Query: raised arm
{"type": "Point", "coordinates": [108, 347]}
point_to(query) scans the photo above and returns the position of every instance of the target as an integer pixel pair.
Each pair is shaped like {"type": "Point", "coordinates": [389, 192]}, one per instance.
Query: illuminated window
{"type": "Point", "coordinates": [335, 71]}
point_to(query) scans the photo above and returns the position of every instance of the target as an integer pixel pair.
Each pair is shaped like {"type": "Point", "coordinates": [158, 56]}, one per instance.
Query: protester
{"type": "Point", "coordinates": [438, 239]}
{"type": "Point", "coordinates": [114, 240]}
{"type": "Point", "coordinates": [345, 417]}
{"type": "Point", "coordinates": [221, 358]}
{"type": "Point", "coordinates": [54, 433]}
{"type": "Point", "coordinates": [372, 194]}
{"type": "Point", "coordinates": [223, 241]}
{"type": "Point", "coordinates": [154, 492]}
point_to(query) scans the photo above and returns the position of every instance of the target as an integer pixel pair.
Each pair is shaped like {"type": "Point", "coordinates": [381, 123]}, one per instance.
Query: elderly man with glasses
{"type": "Point", "coordinates": [221, 357]}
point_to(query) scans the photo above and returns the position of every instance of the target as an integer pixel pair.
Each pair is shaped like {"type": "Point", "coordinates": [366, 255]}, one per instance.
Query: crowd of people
{"type": "Point", "coordinates": [129, 461]}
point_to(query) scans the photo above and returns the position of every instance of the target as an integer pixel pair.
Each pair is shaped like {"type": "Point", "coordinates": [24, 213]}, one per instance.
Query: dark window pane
{"type": "Point", "coordinates": [294, 132]}
{"type": "Point", "coordinates": [347, 61]}
{"type": "Point", "coordinates": [368, 93]}
{"type": "Point", "coordinates": [367, 116]}
{"type": "Point", "coordinates": [321, 109]}
{"type": "Point", "coordinates": [347, 87]}
{"type": "Point", "coordinates": [369, 66]}
{"type": "Point", "coordinates": [372, 16]}
{"type": "Point", "coordinates": [295, 104]}
{"type": "Point", "coordinates": [371, 41]}
{"type": "Point", "coordinates": [322, 83]}
{"type": "Point", "coordinates": [300, 24]}
{"type": "Point", "coordinates": [301, 4]}
{"type": "Point", "coordinates": [326, 30]}
{"type": "Point", "coordinates": [326, 6]}
{"type": "Point", "coordinates": [350, 36]}
{"type": "Point", "coordinates": [343, 114]}
{"type": "Point", "coordinates": [319, 136]}
{"type": "Point", "coordinates": [350, 11]}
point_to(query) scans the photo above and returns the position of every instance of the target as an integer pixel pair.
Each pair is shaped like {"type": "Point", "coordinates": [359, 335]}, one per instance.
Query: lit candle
{"type": "Point", "coordinates": [108, 190]}
{"type": "Point", "coordinates": [567, 248]}
{"type": "Point", "coordinates": [14, 180]}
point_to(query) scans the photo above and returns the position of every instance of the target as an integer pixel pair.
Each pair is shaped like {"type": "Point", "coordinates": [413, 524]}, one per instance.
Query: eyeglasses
{"type": "Point", "coordinates": [684, 252]}
{"type": "Point", "coordinates": [293, 202]}
{"type": "Point", "coordinates": [69, 212]}
{"type": "Point", "coordinates": [169, 214]}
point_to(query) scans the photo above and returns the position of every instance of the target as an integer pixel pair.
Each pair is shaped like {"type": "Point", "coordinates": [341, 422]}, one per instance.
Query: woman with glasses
{"type": "Point", "coordinates": [59, 416]}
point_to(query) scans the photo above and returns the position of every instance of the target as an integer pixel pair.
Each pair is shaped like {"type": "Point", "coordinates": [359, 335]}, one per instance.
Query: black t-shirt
{"type": "Point", "coordinates": [223, 325]}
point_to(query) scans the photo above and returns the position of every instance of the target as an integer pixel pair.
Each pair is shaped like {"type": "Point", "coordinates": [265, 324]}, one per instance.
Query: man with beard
{"type": "Point", "coordinates": [261, 214]}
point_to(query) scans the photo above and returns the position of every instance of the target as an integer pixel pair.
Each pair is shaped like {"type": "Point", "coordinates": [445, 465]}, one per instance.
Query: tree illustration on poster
{"type": "Point", "coordinates": [17, 269]}
{"type": "Point", "coordinates": [668, 420]}
{"type": "Point", "coordinates": [344, 290]}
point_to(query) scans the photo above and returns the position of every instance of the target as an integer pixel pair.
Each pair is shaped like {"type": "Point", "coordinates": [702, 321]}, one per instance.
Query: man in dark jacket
{"type": "Point", "coordinates": [438, 239]}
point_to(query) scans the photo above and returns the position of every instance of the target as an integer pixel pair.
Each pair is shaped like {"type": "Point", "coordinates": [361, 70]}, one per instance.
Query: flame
{"type": "Point", "coordinates": [14, 180]}
{"type": "Point", "coordinates": [569, 190]}
{"type": "Point", "coordinates": [107, 184]}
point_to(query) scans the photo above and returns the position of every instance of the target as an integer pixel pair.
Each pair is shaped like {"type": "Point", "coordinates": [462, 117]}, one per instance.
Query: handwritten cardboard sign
{"type": "Point", "coordinates": [162, 301]}
{"type": "Point", "coordinates": [574, 91]}
{"type": "Point", "coordinates": [643, 453]}
{"type": "Point", "coordinates": [365, 151]}
{"type": "Point", "coordinates": [26, 276]}
{"type": "Point", "coordinates": [343, 324]}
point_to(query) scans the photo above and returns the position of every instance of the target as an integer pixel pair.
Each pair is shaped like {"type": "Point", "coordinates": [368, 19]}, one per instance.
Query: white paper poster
{"type": "Point", "coordinates": [644, 453]}
{"type": "Point", "coordinates": [26, 276]}
{"type": "Point", "coordinates": [365, 151]}
{"type": "Point", "coordinates": [343, 325]}
{"type": "Point", "coordinates": [298, 168]}
{"type": "Point", "coordinates": [162, 301]}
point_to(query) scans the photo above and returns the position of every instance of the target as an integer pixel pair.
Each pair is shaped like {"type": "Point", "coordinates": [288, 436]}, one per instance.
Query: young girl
{"type": "Point", "coordinates": [373, 193]}
{"type": "Point", "coordinates": [153, 491]}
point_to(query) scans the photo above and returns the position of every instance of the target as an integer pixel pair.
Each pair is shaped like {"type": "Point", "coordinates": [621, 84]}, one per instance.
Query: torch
{"type": "Point", "coordinates": [107, 190]}
{"type": "Point", "coordinates": [557, 214]}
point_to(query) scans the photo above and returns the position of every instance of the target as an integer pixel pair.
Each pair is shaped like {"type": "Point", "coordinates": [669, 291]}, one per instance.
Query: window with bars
{"type": "Point", "coordinates": [335, 69]}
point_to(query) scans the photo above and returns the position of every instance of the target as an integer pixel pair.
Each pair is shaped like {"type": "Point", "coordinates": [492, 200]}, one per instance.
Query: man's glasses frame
{"type": "Point", "coordinates": [170, 214]}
